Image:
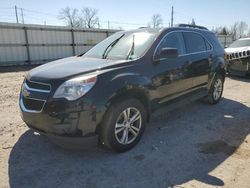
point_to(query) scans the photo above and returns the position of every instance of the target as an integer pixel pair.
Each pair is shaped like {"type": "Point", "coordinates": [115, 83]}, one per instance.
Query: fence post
{"type": "Point", "coordinates": [27, 44]}
{"type": "Point", "coordinates": [73, 42]}
{"type": "Point", "coordinates": [225, 41]}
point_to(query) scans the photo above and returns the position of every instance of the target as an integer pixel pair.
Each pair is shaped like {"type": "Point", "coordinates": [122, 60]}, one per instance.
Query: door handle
{"type": "Point", "coordinates": [187, 63]}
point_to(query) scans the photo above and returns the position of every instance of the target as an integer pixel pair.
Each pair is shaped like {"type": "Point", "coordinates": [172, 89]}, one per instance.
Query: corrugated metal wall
{"type": "Point", "coordinates": [37, 44]}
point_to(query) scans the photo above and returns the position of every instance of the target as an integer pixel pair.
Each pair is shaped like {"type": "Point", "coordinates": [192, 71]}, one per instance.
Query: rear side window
{"type": "Point", "coordinates": [195, 43]}
{"type": "Point", "coordinates": [173, 40]}
{"type": "Point", "coordinates": [208, 46]}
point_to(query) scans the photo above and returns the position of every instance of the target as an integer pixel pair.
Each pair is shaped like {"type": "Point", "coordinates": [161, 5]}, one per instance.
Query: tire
{"type": "Point", "coordinates": [120, 133]}
{"type": "Point", "coordinates": [216, 90]}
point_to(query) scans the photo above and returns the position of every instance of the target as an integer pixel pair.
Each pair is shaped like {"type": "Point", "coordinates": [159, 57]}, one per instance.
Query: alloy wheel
{"type": "Point", "coordinates": [218, 86]}
{"type": "Point", "coordinates": [128, 126]}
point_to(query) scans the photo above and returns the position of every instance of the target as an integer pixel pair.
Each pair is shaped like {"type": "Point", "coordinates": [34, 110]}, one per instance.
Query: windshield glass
{"type": "Point", "coordinates": [240, 43]}
{"type": "Point", "coordinates": [123, 46]}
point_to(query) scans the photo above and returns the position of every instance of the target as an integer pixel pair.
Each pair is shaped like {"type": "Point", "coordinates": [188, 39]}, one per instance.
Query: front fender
{"type": "Point", "coordinates": [121, 86]}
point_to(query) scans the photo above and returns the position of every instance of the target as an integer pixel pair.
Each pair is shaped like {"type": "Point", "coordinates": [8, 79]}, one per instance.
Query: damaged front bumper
{"type": "Point", "coordinates": [71, 130]}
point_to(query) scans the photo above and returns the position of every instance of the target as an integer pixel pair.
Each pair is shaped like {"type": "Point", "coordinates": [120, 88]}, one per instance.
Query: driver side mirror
{"type": "Point", "coordinates": [168, 53]}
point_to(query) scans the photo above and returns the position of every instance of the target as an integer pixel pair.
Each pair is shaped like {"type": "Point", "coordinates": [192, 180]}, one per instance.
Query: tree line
{"type": "Point", "coordinates": [237, 30]}
{"type": "Point", "coordinates": [88, 18]}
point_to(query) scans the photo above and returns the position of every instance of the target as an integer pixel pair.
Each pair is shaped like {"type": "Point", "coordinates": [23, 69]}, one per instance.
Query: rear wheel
{"type": "Point", "coordinates": [123, 125]}
{"type": "Point", "coordinates": [216, 90]}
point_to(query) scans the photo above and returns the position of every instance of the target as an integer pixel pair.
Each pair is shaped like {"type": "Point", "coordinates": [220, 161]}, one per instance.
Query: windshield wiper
{"type": "Point", "coordinates": [132, 49]}
{"type": "Point", "coordinates": [110, 46]}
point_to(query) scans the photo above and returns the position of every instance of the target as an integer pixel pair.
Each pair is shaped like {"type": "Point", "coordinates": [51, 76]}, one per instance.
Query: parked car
{"type": "Point", "coordinates": [108, 94]}
{"type": "Point", "coordinates": [238, 55]}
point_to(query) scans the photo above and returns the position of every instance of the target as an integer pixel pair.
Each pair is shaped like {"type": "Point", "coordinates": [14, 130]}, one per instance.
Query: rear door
{"type": "Point", "coordinates": [199, 55]}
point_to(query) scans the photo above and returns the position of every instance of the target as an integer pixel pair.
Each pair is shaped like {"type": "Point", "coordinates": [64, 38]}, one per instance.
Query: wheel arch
{"type": "Point", "coordinates": [139, 94]}
{"type": "Point", "coordinates": [218, 67]}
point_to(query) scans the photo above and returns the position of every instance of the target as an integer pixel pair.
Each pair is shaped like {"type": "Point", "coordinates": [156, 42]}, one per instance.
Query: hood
{"type": "Point", "coordinates": [70, 66]}
{"type": "Point", "coordinates": [240, 49]}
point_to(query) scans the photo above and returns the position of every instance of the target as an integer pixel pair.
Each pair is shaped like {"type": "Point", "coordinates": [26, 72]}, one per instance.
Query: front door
{"type": "Point", "coordinates": [171, 75]}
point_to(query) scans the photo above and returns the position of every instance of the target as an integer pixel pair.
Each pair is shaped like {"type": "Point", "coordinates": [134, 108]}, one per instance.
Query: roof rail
{"type": "Point", "coordinates": [192, 26]}
{"type": "Point", "coordinates": [143, 27]}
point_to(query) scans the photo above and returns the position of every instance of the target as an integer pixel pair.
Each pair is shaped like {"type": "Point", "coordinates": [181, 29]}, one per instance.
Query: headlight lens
{"type": "Point", "coordinates": [75, 88]}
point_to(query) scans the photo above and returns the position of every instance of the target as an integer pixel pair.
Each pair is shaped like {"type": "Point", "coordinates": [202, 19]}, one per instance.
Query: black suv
{"type": "Point", "coordinates": [108, 94]}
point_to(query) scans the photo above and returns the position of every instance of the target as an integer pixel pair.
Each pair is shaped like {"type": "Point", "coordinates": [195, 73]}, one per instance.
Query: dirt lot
{"type": "Point", "coordinates": [196, 146]}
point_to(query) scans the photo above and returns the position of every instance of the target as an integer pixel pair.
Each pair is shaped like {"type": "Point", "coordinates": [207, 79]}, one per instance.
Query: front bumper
{"type": "Point", "coordinates": [239, 66]}
{"type": "Point", "coordinates": [68, 142]}
{"type": "Point", "coordinates": [73, 130]}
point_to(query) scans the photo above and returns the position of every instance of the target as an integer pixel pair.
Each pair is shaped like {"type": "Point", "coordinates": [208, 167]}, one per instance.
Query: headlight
{"type": "Point", "coordinates": [75, 88]}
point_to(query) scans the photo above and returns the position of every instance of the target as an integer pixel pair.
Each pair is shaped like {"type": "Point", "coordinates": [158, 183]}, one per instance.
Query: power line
{"type": "Point", "coordinates": [23, 15]}
{"type": "Point", "coordinates": [38, 12]}
{"type": "Point", "coordinates": [6, 8]}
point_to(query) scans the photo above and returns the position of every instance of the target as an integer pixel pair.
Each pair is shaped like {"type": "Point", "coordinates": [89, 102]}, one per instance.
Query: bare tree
{"type": "Point", "coordinates": [233, 31]}
{"type": "Point", "coordinates": [157, 21]}
{"type": "Point", "coordinates": [224, 31]}
{"type": "Point", "coordinates": [70, 17]}
{"type": "Point", "coordinates": [217, 30]}
{"type": "Point", "coordinates": [242, 28]}
{"type": "Point", "coordinates": [193, 22]}
{"type": "Point", "coordinates": [238, 30]}
{"type": "Point", "coordinates": [89, 18]}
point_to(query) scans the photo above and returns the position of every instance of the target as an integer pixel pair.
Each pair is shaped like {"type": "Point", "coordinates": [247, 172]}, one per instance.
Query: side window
{"type": "Point", "coordinates": [209, 47]}
{"type": "Point", "coordinates": [194, 42]}
{"type": "Point", "coordinates": [173, 40]}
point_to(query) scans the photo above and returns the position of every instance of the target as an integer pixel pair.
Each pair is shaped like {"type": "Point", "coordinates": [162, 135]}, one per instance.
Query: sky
{"type": "Point", "coordinates": [130, 14]}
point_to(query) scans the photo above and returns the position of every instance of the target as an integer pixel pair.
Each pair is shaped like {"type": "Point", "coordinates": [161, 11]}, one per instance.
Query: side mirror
{"type": "Point", "coordinates": [167, 53]}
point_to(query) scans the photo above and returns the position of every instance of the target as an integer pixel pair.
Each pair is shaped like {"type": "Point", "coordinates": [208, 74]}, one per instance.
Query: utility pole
{"type": "Point", "coordinates": [16, 14]}
{"type": "Point", "coordinates": [172, 17]}
{"type": "Point", "coordinates": [22, 15]}
{"type": "Point", "coordinates": [108, 24]}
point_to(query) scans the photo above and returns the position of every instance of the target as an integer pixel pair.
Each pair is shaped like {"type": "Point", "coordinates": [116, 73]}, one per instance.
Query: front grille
{"type": "Point", "coordinates": [36, 85]}
{"type": "Point", "coordinates": [34, 96]}
{"type": "Point", "coordinates": [31, 104]}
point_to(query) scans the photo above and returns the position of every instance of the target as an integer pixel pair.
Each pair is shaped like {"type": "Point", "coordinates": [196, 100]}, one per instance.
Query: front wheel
{"type": "Point", "coordinates": [216, 90]}
{"type": "Point", "coordinates": [123, 125]}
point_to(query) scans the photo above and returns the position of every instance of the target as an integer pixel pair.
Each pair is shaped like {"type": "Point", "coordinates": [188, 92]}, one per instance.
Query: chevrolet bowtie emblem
{"type": "Point", "coordinates": [26, 93]}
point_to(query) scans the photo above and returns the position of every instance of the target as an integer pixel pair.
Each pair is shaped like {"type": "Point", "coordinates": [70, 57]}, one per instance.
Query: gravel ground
{"type": "Point", "coordinates": [197, 145]}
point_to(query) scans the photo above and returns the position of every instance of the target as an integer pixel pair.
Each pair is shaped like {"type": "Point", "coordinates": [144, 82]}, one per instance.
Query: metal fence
{"type": "Point", "coordinates": [23, 44]}
{"type": "Point", "coordinates": [37, 44]}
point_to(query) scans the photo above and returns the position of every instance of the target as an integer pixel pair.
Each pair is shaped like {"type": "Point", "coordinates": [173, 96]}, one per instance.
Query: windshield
{"type": "Point", "coordinates": [240, 43]}
{"type": "Point", "coordinates": [123, 46]}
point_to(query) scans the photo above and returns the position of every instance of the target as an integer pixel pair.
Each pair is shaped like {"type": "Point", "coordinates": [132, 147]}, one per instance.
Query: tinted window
{"type": "Point", "coordinates": [194, 42]}
{"type": "Point", "coordinates": [173, 40]}
{"type": "Point", "coordinates": [209, 47]}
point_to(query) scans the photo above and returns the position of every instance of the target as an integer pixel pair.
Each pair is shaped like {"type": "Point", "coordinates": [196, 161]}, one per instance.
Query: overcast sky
{"type": "Point", "coordinates": [131, 13]}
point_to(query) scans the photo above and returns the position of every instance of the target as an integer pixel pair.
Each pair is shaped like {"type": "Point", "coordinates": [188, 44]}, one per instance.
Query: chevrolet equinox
{"type": "Point", "coordinates": [108, 94]}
